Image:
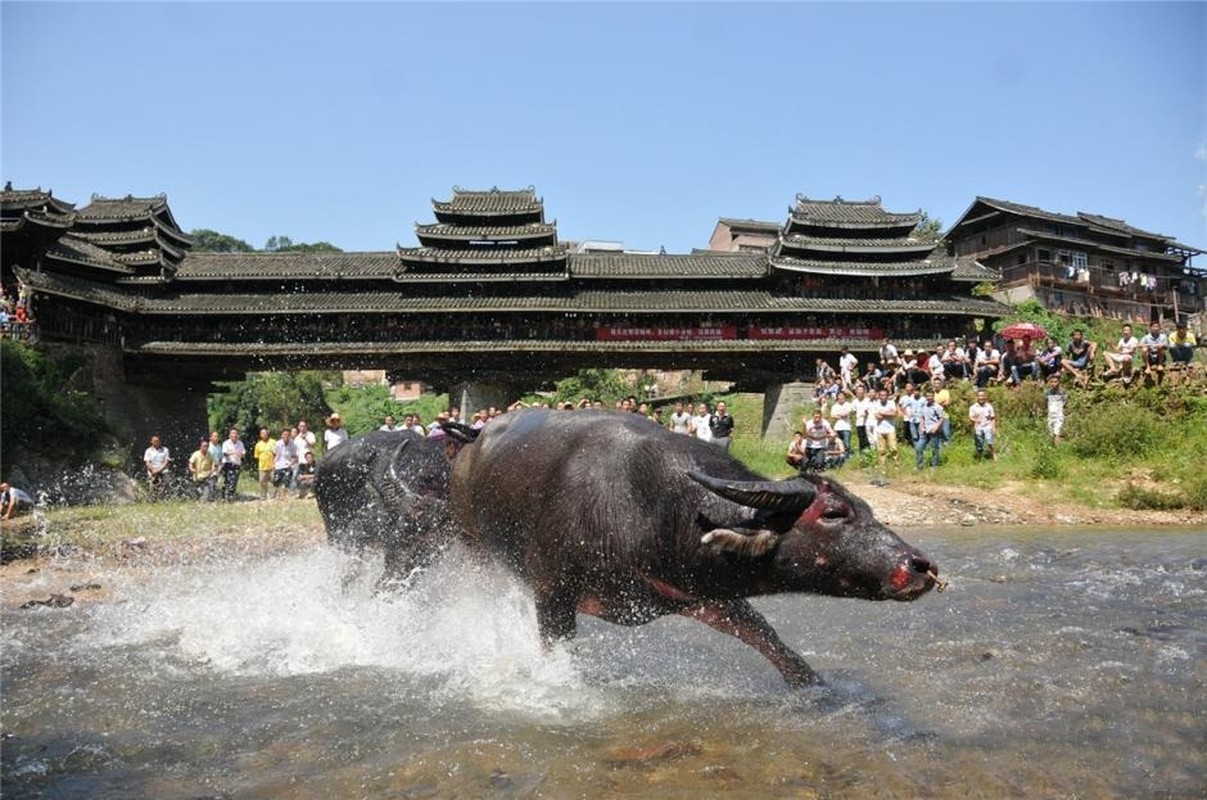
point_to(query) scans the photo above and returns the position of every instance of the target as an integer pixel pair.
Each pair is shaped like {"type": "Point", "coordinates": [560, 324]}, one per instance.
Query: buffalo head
{"type": "Point", "coordinates": [817, 537]}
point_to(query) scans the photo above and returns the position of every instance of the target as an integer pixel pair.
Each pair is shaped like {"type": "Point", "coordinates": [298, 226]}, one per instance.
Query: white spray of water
{"type": "Point", "coordinates": [470, 627]}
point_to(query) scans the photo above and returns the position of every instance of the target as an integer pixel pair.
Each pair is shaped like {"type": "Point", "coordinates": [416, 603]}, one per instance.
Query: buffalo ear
{"type": "Point", "coordinates": [750, 545]}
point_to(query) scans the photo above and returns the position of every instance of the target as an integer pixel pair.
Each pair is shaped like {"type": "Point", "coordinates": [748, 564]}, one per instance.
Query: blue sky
{"type": "Point", "coordinates": [635, 122]}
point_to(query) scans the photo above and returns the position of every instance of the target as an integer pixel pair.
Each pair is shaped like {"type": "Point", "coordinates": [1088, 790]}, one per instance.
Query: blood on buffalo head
{"type": "Point", "coordinates": [819, 538]}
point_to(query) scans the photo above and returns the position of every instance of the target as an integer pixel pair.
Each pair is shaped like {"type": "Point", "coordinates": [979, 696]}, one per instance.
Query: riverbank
{"type": "Point", "coordinates": [69, 552]}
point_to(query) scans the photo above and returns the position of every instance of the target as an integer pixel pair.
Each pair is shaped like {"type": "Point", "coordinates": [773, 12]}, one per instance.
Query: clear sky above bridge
{"type": "Point", "coordinates": [635, 122]}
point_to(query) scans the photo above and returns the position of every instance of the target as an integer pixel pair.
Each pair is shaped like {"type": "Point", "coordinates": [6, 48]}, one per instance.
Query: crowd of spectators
{"type": "Point", "coordinates": [903, 397]}
{"type": "Point", "coordinates": [16, 316]}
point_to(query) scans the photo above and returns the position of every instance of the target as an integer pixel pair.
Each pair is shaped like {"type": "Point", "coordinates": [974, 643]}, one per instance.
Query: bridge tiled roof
{"type": "Point", "coordinates": [73, 249]}
{"type": "Point", "coordinates": [482, 255]}
{"type": "Point", "coordinates": [286, 266]}
{"type": "Point", "coordinates": [864, 269]}
{"type": "Point", "coordinates": [584, 301]}
{"type": "Point", "coordinates": [645, 265]}
{"type": "Point", "coordinates": [829, 244]}
{"type": "Point", "coordinates": [448, 231]}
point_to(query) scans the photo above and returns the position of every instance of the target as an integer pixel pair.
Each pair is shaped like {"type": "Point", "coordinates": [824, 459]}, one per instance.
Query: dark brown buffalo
{"type": "Point", "coordinates": [609, 514]}
{"type": "Point", "coordinates": [387, 491]}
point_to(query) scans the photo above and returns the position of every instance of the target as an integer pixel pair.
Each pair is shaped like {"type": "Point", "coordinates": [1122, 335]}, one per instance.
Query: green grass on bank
{"type": "Point", "coordinates": [1140, 448]}
{"type": "Point", "coordinates": [104, 528]}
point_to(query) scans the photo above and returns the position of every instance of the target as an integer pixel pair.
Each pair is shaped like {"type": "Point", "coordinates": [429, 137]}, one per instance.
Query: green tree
{"type": "Point", "coordinates": [42, 413]}
{"type": "Point", "coordinates": [272, 400]}
{"type": "Point", "coordinates": [605, 385]}
{"type": "Point", "coordinates": [927, 229]}
{"type": "Point", "coordinates": [208, 241]}
{"type": "Point", "coordinates": [283, 244]}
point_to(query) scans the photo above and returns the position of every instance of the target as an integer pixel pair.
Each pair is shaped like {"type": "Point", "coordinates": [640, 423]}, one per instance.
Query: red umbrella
{"type": "Point", "coordinates": [1023, 330]}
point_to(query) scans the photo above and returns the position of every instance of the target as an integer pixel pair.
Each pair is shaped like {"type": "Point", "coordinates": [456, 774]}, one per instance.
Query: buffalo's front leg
{"type": "Point", "coordinates": [738, 618]}
{"type": "Point", "coordinates": [555, 609]}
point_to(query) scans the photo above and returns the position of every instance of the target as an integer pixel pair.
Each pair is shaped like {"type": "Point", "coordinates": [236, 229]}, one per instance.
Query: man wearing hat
{"type": "Point", "coordinates": [1181, 345]}
{"type": "Point", "coordinates": [336, 434]}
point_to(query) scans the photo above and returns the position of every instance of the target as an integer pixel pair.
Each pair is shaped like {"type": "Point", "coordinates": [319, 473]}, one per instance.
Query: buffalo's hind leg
{"type": "Point", "coordinates": [738, 618]}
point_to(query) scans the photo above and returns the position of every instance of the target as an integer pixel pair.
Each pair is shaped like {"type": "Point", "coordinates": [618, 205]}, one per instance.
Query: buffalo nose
{"type": "Point", "coordinates": [921, 564]}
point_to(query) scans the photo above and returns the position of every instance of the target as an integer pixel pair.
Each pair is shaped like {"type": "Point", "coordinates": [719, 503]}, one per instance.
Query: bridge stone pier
{"type": "Point", "coordinates": [782, 403]}
{"type": "Point", "coordinates": [475, 395]}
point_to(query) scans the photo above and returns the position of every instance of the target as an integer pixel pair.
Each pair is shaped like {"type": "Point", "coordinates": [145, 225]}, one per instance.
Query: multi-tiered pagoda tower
{"type": "Point", "coordinates": [493, 235]}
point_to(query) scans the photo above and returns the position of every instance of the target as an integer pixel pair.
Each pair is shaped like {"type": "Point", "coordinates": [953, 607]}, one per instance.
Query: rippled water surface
{"type": "Point", "coordinates": [1059, 664]}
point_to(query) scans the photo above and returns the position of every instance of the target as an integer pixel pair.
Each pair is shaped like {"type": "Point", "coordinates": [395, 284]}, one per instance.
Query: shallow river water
{"type": "Point", "coordinates": [1059, 664]}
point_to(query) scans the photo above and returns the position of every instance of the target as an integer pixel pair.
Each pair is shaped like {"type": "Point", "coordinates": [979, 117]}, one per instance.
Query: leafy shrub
{"type": "Point", "coordinates": [1048, 463]}
{"type": "Point", "coordinates": [41, 412]}
{"type": "Point", "coordinates": [1117, 432]}
{"type": "Point", "coordinates": [1140, 499]}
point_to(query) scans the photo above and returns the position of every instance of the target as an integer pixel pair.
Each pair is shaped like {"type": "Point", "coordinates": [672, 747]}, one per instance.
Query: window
{"type": "Point", "coordinates": [1073, 258]}
{"type": "Point", "coordinates": [1043, 255]}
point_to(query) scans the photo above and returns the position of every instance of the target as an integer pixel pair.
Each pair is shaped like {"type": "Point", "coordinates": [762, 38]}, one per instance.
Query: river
{"type": "Point", "coordinates": [1060, 663]}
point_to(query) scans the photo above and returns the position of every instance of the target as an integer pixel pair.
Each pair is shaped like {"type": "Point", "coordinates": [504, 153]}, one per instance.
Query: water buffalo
{"type": "Point", "coordinates": [608, 514]}
{"type": "Point", "coordinates": [388, 491]}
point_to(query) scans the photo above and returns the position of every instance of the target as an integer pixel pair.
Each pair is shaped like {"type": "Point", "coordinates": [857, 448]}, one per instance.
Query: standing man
{"type": "Point", "coordinates": [818, 434]}
{"type": "Point", "coordinates": [862, 405]}
{"type": "Point", "coordinates": [156, 458]}
{"type": "Point", "coordinates": [285, 461]}
{"type": "Point", "coordinates": [984, 426]}
{"type": "Point", "coordinates": [1056, 398]}
{"type": "Point", "coordinates": [680, 420]}
{"type": "Point", "coordinates": [204, 471]}
{"type": "Point", "coordinates": [264, 453]}
{"type": "Point", "coordinates": [847, 365]}
{"type": "Point", "coordinates": [700, 425]}
{"type": "Point", "coordinates": [722, 426]}
{"type": "Point", "coordinates": [233, 451]}
{"type": "Point", "coordinates": [884, 411]}
{"type": "Point", "coordinates": [930, 434]}
{"type": "Point", "coordinates": [336, 434]}
{"type": "Point", "coordinates": [842, 412]}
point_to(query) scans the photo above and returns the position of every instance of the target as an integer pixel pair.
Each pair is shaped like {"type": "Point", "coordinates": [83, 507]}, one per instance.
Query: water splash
{"type": "Point", "coordinates": [469, 628]}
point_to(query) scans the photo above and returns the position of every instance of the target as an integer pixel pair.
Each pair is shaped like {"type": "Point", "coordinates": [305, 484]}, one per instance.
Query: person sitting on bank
{"type": "Point", "coordinates": [1049, 359]}
{"type": "Point", "coordinates": [305, 477]}
{"type": "Point", "coordinates": [1079, 357]}
{"type": "Point", "coordinates": [14, 502]}
{"type": "Point", "coordinates": [1181, 345]}
{"type": "Point", "coordinates": [1120, 361]}
{"type": "Point", "coordinates": [1020, 362]}
{"type": "Point", "coordinates": [836, 453]}
{"type": "Point", "coordinates": [1153, 346]}
{"type": "Point", "coordinates": [988, 364]}
{"type": "Point", "coordinates": [796, 451]}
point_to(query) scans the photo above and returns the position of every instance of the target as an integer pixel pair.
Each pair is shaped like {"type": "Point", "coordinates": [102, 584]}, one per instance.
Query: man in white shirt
{"type": "Point", "coordinates": [156, 459]}
{"type": "Point", "coordinates": [884, 410]}
{"type": "Point", "coordinates": [680, 420]}
{"type": "Point", "coordinates": [701, 424]}
{"type": "Point", "coordinates": [1120, 362]}
{"type": "Point", "coordinates": [336, 434]}
{"type": "Point", "coordinates": [984, 426]}
{"type": "Point", "coordinates": [233, 451]}
{"type": "Point", "coordinates": [988, 364]}
{"type": "Point", "coordinates": [847, 364]}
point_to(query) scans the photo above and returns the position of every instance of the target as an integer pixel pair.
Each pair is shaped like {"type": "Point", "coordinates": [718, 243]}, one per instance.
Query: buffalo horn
{"type": "Point", "coordinates": [794, 494]}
